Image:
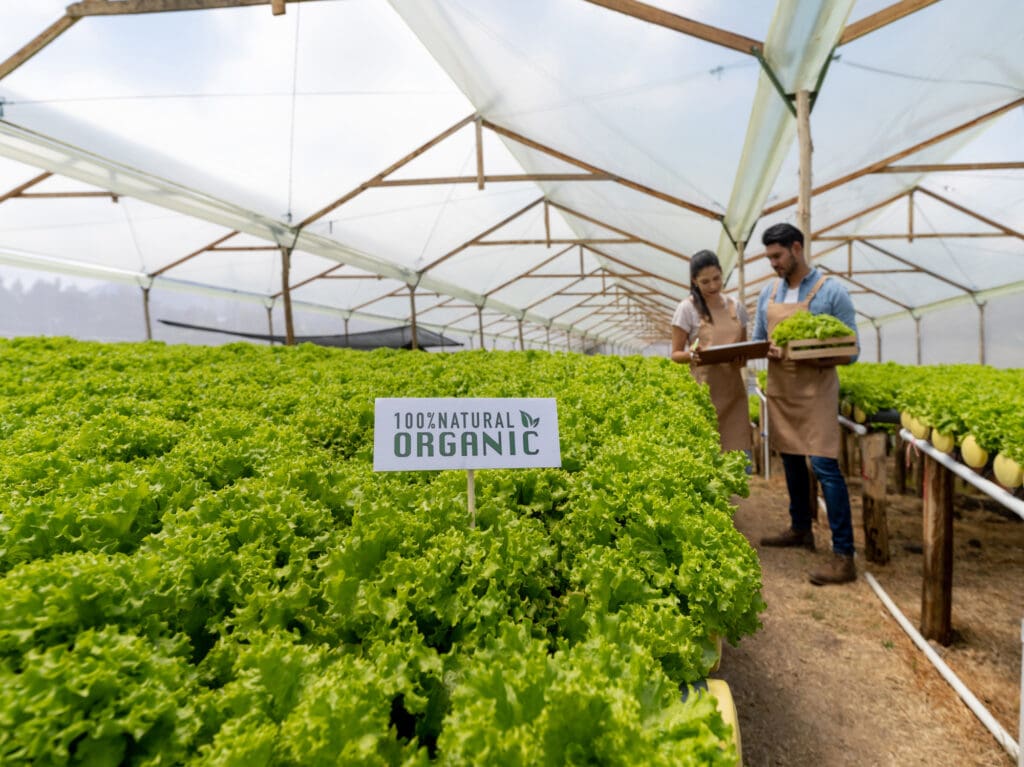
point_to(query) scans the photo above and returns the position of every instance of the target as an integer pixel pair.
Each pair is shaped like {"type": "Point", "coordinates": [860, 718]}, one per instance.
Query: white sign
{"type": "Point", "coordinates": [411, 434]}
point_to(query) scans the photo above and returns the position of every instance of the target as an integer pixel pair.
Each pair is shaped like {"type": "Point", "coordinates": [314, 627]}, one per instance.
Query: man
{"type": "Point", "coordinates": [803, 399]}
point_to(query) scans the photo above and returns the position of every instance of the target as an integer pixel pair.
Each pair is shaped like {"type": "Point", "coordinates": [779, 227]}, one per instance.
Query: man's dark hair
{"type": "Point", "coordinates": [782, 234]}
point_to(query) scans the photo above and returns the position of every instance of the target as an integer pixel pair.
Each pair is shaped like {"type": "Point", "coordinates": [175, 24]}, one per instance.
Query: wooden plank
{"type": "Point", "coordinates": [874, 476]}
{"type": "Point", "coordinates": [36, 44]}
{"type": "Point", "coordinates": [277, 7]}
{"type": "Point", "coordinates": [16, 192]}
{"type": "Point", "coordinates": [951, 167]}
{"type": "Point", "coordinates": [542, 264]}
{"type": "Point", "coordinates": [971, 213]}
{"type": "Point", "coordinates": [387, 171]}
{"type": "Point", "coordinates": [623, 232]}
{"type": "Point", "coordinates": [635, 186]}
{"type": "Point", "coordinates": [911, 236]}
{"type": "Point", "coordinates": [919, 268]}
{"type": "Point", "coordinates": [663, 18]}
{"type": "Point", "coordinates": [937, 588]}
{"type": "Point", "coordinates": [192, 255]}
{"type": "Point", "coordinates": [500, 178]}
{"type": "Point", "coordinates": [573, 241]}
{"type": "Point", "coordinates": [484, 233]}
{"type": "Point", "coordinates": [886, 161]}
{"type": "Point", "coordinates": [882, 18]}
{"type": "Point", "coordinates": [121, 7]}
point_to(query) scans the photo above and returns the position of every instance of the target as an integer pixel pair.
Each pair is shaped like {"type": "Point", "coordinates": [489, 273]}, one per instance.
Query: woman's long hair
{"type": "Point", "coordinates": [701, 260]}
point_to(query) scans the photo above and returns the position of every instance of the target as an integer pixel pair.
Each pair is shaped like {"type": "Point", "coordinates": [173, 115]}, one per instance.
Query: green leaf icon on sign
{"type": "Point", "coordinates": [528, 421]}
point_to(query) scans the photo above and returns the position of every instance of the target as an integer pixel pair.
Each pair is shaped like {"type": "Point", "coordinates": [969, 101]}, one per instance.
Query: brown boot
{"type": "Point", "coordinates": [840, 569]}
{"type": "Point", "coordinates": [791, 538]}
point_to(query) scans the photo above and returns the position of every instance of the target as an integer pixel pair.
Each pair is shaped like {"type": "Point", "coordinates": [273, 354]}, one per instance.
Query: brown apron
{"type": "Point", "coordinates": [803, 400]}
{"type": "Point", "coordinates": [728, 394]}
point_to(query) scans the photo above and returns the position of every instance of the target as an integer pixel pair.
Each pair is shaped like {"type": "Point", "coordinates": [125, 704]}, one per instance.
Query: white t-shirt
{"type": "Point", "coordinates": [792, 295]}
{"type": "Point", "coordinates": [687, 317]}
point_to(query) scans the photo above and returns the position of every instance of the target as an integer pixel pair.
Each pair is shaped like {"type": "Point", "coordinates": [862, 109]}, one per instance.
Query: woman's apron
{"type": "Point", "coordinates": [728, 394]}
{"type": "Point", "coordinates": [803, 400]}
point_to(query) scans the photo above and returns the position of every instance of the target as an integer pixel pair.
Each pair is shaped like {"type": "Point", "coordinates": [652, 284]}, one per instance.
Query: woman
{"type": "Point", "coordinates": [711, 319]}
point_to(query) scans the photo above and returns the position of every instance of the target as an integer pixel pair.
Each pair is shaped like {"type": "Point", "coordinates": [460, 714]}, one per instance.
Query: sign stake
{"type": "Point", "coordinates": [471, 497]}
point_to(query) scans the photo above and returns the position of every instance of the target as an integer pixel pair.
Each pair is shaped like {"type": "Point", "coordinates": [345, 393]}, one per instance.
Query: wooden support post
{"type": "Point", "coordinates": [874, 475]}
{"type": "Point", "coordinates": [937, 591]}
{"type": "Point", "coordinates": [286, 295]}
{"type": "Point", "coordinates": [412, 315]}
{"type": "Point", "coordinates": [803, 133]}
{"type": "Point", "coordinates": [522, 343]}
{"type": "Point", "coordinates": [899, 454]}
{"type": "Point", "coordinates": [917, 336]}
{"type": "Point", "coordinates": [346, 332]}
{"type": "Point", "coordinates": [277, 7]}
{"type": "Point", "coordinates": [849, 258]}
{"type": "Point", "coordinates": [270, 322]}
{"type": "Point", "coordinates": [910, 216]}
{"type": "Point", "coordinates": [981, 332]}
{"type": "Point", "coordinates": [918, 472]}
{"type": "Point", "coordinates": [741, 273]}
{"type": "Point", "coordinates": [878, 339]}
{"type": "Point", "coordinates": [547, 333]}
{"type": "Point", "coordinates": [145, 312]}
{"type": "Point", "coordinates": [547, 223]}
{"type": "Point", "coordinates": [480, 320]}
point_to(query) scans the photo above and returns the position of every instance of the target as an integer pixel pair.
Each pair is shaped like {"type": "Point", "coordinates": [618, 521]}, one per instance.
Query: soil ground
{"type": "Point", "coordinates": [832, 679]}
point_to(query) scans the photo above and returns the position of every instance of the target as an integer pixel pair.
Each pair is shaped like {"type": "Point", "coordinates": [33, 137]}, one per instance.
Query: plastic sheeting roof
{"type": "Point", "coordinates": [614, 140]}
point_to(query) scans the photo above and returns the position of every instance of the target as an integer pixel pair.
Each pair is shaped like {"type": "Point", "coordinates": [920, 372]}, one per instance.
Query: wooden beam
{"type": "Point", "coordinates": [277, 7]}
{"type": "Point", "coordinates": [387, 171]}
{"type": "Point", "coordinates": [646, 273]}
{"type": "Point", "coordinates": [478, 129]}
{"type": "Point", "coordinates": [36, 44]}
{"type": "Point", "coordinates": [66, 195]}
{"type": "Point", "coordinates": [578, 241]}
{"type": "Point", "coordinates": [519, 138]}
{"type": "Point", "coordinates": [915, 235]}
{"type": "Point", "coordinates": [120, 7]}
{"type": "Point", "coordinates": [623, 232]}
{"type": "Point", "coordinates": [662, 18]}
{"type": "Point", "coordinates": [543, 263]}
{"type": "Point", "coordinates": [16, 192]}
{"type": "Point", "coordinates": [882, 18]}
{"type": "Point", "coordinates": [475, 239]}
{"type": "Point", "coordinates": [322, 275]}
{"type": "Point", "coordinates": [952, 167]}
{"type": "Point", "coordinates": [244, 248]}
{"type": "Point", "coordinates": [918, 267]}
{"type": "Point", "coordinates": [868, 288]}
{"type": "Point", "coordinates": [886, 161]}
{"type": "Point", "coordinates": [192, 255]}
{"type": "Point", "coordinates": [286, 294]}
{"type": "Point", "coordinates": [971, 213]}
{"type": "Point", "coordinates": [864, 212]}
{"type": "Point", "coordinates": [495, 179]}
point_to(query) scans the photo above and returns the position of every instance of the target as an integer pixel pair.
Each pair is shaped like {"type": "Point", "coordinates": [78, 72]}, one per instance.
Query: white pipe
{"type": "Point", "coordinates": [857, 428]}
{"type": "Point", "coordinates": [764, 432]}
{"type": "Point", "coordinates": [990, 489]}
{"type": "Point", "coordinates": [1005, 739]}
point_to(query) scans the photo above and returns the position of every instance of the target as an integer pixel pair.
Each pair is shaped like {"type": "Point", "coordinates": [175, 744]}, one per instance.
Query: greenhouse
{"type": "Point", "coordinates": [228, 226]}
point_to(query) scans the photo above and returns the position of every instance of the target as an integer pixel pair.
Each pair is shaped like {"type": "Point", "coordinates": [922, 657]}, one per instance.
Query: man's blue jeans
{"type": "Point", "coordinates": [833, 487]}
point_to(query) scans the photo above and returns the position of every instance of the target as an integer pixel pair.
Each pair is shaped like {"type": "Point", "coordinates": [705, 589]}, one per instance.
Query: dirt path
{"type": "Point", "coordinates": [833, 680]}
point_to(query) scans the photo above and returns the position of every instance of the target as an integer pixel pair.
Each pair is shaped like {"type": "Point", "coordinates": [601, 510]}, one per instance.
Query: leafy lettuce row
{"type": "Point", "coordinates": [955, 400]}
{"type": "Point", "coordinates": [199, 566]}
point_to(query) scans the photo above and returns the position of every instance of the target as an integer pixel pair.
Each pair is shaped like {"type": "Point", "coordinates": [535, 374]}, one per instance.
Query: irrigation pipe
{"type": "Point", "coordinates": [1005, 739]}
{"type": "Point", "coordinates": [854, 427]}
{"type": "Point", "coordinates": [989, 488]}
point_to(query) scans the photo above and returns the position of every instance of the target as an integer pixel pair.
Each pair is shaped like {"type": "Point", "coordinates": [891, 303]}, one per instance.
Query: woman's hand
{"type": "Point", "coordinates": [695, 356]}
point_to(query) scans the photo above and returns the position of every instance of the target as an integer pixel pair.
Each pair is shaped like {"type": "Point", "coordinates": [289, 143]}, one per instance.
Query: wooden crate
{"type": "Point", "coordinates": [817, 348]}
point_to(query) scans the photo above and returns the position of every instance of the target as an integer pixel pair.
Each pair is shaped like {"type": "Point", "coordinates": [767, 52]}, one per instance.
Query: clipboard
{"type": "Point", "coordinates": [748, 349]}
